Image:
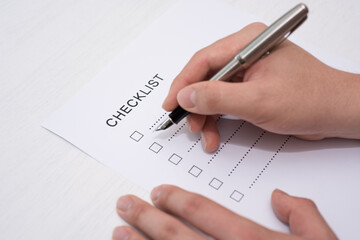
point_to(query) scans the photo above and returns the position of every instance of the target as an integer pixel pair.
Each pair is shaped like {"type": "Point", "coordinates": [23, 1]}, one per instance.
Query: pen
{"type": "Point", "coordinates": [272, 36]}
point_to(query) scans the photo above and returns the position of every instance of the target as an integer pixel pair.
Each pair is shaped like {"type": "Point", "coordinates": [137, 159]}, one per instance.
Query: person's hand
{"type": "Point", "coordinates": [287, 92]}
{"type": "Point", "coordinates": [174, 206]}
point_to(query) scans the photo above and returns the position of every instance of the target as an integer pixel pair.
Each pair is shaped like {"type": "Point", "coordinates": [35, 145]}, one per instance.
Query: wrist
{"type": "Point", "coordinates": [344, 108]}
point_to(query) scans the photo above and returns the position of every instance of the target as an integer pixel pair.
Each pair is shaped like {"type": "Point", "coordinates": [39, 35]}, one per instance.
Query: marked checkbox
{"type": "Point", "coordinates": [136, 136]}
{"type": "Point", "coordinates": [195, 171]}
{"type": "Point", "coordinates": [175, 159]}
{"type": "Point", "coordinates": [216, 183]}
{"type": "Point", "coordinates": [237, 196]}
{"type": "Point", "coordinates": [155, 147]}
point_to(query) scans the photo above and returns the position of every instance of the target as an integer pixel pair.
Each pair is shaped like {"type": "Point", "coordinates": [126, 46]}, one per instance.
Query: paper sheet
{"type": "Point", "coordinates": [113, 119]}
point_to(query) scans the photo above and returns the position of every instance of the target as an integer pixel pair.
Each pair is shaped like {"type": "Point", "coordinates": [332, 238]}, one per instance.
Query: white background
{"type": "Point", "coordinates": [48, 50]}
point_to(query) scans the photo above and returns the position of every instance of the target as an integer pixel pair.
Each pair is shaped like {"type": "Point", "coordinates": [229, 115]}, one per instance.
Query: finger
{"type": "Point", "coordinates": [126, 232]}
{"type": "Point", "coordinates": [210, 136]}
{"type": "Point", "coordinates": [210, 60]}
{"type": "Point", "coordinates": [196, 122]}
{"type": "Point", "coordinates": [206, 215]}
{"type": "Point", "coordinates": [151, 221]}
{"type": "Point", "coordinates": [302, 215]}
{"type": "Point", "coordinates": [238, 99]}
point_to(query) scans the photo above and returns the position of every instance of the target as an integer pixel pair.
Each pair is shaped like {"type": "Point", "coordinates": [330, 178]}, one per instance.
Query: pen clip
{"type": "Point", "coordinates": [287, 35]}
{"type": "Point", "coordinates": [295, 27]}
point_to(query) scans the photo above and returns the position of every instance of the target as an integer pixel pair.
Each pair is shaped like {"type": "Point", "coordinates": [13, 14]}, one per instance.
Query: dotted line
{"type": "Point", "coordinates": [268, 163]}
{"type": "Point", "coordinates": [158, 120]}
{"type": "Point", "coordinates": [226, 142]}
{"type": "Point", "coordinates": [248, 151]}
{"type": "Point", "coordinates": [198, 140]}
{"type": "Point", "coordinates": [195, 143]}
{"type": "Point", "coordinates": [177, 131]}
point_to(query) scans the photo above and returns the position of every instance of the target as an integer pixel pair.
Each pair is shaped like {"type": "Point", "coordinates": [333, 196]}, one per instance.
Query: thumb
{"type": "Point", "coordinates": [302, 216]}
{"type": "Point", "coordinates": [216, 97]}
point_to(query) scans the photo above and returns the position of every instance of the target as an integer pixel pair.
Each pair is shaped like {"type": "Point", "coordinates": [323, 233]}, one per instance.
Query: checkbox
{"type": "Point", "coordinates": [155, 147]}
{"type": "Point", "coordinates": [175, 159]}
{"type": "Point", "coordinates": [215, 183]}
{"type": "Point", "coordinates": [136, 136]}
{"type": "Point", "coordinates": [237, 196]}
{"type": "Point", "coordinates": [195, 171]}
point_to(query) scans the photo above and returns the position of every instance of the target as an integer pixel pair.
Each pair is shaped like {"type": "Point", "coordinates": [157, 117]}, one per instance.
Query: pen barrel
{"type": "Point", "coordinates": [273, 35]}
{"type": "Point", "coordinates": [228, 71]}
{"type": "Point", "coordinates": [178, 114]}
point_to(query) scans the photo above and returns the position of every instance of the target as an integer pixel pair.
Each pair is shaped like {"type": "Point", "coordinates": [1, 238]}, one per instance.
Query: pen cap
{"type": "Point", "coordinates": [273, 35]}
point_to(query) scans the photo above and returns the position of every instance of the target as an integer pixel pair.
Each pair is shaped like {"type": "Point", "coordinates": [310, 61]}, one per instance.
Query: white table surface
{"type": "Point", "coordinates": [48, 50]}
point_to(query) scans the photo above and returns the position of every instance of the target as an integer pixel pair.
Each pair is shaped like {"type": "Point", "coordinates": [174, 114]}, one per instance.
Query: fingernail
{"type": "Point", "coordinates": [163, 104]}
{"type": "Point", "coordinates": [155, 193]}
{"type": "Point", "coordinates": [186, 97]}
{"type": "Point", "coordinates": [124, 203]}
{"type": "Point", "coordinates": [188, 119]}
{"type": "Point", "coordinates": [203, 140]}
{"type": "Point", "coordinates": [120, 234]}
{"type": "Point", "coordinates": [280, 192]}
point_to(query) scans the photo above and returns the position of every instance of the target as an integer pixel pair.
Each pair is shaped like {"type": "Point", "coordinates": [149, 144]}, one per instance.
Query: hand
{"type": "Point", "coordinates": [287, 92]}
{"type": "Point", "coordinates": [173, 203]}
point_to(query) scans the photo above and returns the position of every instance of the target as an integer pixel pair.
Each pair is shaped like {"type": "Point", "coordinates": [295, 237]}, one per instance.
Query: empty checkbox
{"type": "Point", "coordinates": [215, 183]}
{"type": "Point", "coordinates": [155, 147]}
{"type": "Point", "coordinates": [175, 159]}
{"type": "Point", "coordinates": [136, 136]}
{"type": "Point", "coordinates": [236, 195]}
{"type": "Point", "coordinates": [195, 171]}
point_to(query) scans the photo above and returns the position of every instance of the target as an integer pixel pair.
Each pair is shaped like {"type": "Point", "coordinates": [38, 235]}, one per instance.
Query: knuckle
{"type": "Point", "coordinates": [163, 200]}
{"type": "Point", "coordinates": [169, 230]}
{"type": "Point", "coordinates": [210, 96]}
{"type": "Point", "coordinates": [237, 233]}
{"type": "Point", "coordinates": [191, 205]}
{"type": "Point", "coordinates": [308, 203]}
{"type": "Point", "coordinates": [137, 211]}
{"type": "Point", "coordinates": [257, 26]}
{"type": "Point", "coordinates": [252, 30]}
{"type": "Point", "coordinates": [200, 56]}
{"type": "Point", "coordinates": [254, 234]}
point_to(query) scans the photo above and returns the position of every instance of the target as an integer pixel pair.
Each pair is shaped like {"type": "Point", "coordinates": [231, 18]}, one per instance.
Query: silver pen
{"type": "Point", "coordinates": [271, 37]}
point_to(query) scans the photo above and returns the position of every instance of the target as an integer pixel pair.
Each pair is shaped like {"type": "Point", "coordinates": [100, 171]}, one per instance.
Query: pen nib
{"type": "Point", "coordinates": [164, 125]}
